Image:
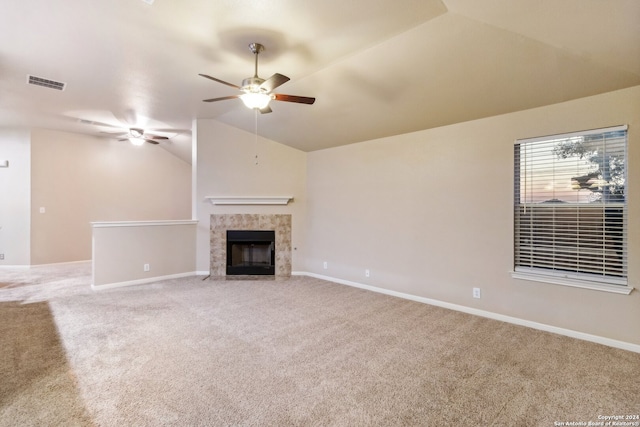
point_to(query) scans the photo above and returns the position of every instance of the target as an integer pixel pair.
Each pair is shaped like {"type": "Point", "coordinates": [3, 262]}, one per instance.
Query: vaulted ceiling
{"type": "Point", "coordinates": [376, 67]}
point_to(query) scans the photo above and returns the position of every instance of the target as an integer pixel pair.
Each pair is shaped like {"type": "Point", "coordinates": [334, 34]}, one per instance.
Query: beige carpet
{"type": "Point", "coordinates": [300, 352]}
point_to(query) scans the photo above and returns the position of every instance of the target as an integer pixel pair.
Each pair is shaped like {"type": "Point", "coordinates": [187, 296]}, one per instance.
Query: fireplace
{"type": "Point", "coordinates": [251, 252]}
{"type": "Point", "coordinates": [278, 223]}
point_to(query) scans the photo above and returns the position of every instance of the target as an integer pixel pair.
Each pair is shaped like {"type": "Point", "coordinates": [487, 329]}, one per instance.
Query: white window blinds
{"type": "Point", "coordinates": [570, 205]}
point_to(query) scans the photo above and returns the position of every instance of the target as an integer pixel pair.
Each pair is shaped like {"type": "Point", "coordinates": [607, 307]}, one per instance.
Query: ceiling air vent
{"type": "Point", "coordinates": [39, 81]}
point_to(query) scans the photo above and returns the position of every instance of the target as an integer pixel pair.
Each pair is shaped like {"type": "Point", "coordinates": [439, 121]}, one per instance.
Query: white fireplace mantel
{"type": "Point", "coordinates": [249, 200]}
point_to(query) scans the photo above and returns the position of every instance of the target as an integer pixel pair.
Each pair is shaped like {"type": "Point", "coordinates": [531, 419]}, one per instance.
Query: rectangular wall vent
{"type": "Point", "coordinates": [39, 81]}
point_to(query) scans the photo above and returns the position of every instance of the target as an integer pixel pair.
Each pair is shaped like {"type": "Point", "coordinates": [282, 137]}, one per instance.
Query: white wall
{"type": "Point", "coordinates": [431, 215]}
{"type": "Point", "coordinates": [226, 167]}
{"type": "Point", "coordinates": [15, 183]}
{"type": "Point", "coordinates": [80, 178]}
{"type": "Point", "coordinates": [121, 250]}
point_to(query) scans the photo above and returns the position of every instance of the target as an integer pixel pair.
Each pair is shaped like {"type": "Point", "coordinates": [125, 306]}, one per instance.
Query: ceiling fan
{"type": "Point", "coordinates": [138, 136]}
{"type": "Point", "coordinates": [132, 127]}
{"type": "Point", "coordinates": [257, 92]}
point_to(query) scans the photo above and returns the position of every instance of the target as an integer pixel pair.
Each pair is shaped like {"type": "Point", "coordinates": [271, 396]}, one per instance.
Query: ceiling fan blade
{"type": "Point", "coordinates": [220, 81]}
{"type": "Point", "coordinates": [149, 136]}
{"type": "Point", "coordinates": [101, 124]}
{"type": "Point", "coordinates": [169, 130]}
{"type": "Point", "coordinates": [114, 134]}
{"type": "Point", "coordinates": [151, 141]}
{"type": "Point", "coordinates": [266, 110]}
{"type": "Point", "coordinates": [294, 98]}
{"type": "Point", "coordinates": [273, 82]}
{"type": "Point", "coordinates": [221, 99]}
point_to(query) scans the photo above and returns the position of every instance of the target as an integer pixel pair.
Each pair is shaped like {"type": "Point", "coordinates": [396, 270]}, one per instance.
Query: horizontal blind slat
{"type": "Point", "coordinates": [570, 203]}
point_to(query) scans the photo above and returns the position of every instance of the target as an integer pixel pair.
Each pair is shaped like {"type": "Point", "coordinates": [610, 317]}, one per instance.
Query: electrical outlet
{"type": "Point", "coordinates": [1, 256]}
{"type": "Point", "coordinates": [367, 273]}
{"type": "Point", "coordinates": [476, 292]}
{"type": "Point", "coordinates": [146, 267]}
{"type": "Point", "coordinates": [325, 265]}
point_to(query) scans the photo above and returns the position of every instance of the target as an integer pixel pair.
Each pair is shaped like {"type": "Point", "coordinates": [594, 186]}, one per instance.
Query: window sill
{"type": "Point", "coordinates": [576, 283]}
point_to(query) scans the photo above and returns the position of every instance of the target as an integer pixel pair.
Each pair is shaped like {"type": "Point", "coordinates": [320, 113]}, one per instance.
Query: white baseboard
{"type": "Point", "coordinates": [483, 313]}
{"type": "Point", "coordinates": [45, 265]}
{"type": "Point", "coordinates": [142, 281]}
{"type": "Point", "coordinates": [62, 263]}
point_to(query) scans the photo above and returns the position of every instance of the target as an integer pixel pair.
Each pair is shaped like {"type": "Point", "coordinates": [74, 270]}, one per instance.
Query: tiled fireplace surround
{"type": "Point", "coordinates": [220, 223]}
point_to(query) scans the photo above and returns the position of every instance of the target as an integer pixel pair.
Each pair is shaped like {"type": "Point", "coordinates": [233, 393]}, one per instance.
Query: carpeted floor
{"type": "Point", "coordinates": [299, 352]}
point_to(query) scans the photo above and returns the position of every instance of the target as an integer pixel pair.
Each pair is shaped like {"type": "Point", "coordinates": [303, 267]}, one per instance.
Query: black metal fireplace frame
{"type": "Point", "coordinates": [251, 237]}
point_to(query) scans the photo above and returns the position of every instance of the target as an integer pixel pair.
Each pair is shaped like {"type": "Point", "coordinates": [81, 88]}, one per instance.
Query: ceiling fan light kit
{"type": "Point", "coordinates": [255, 100]}
{"type": "Point", "coordinates": [257, 91]}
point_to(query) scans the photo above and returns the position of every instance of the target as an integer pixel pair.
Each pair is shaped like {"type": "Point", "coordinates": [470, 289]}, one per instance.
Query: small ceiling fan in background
{"type": "Point", "coordinates": [138, 136]}
{"type": "Point", "coordinates": [134, 134]}
{"type": "Point", "coordinates": [257, 92]}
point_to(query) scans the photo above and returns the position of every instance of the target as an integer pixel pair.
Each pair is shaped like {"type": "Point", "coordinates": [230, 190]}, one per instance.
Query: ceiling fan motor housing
{"type": "Point", "coordinates": [136, 132]}
{"type": "Point", "coordinates": [252, 85]}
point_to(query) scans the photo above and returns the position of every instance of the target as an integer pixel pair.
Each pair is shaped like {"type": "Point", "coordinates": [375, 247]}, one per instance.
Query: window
{"type": "Point", "coordinates": [570, 209]}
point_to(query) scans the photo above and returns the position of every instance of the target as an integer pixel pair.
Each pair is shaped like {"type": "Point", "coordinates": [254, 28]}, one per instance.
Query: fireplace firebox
{"type": "Point", "coordinates": [251, 252]}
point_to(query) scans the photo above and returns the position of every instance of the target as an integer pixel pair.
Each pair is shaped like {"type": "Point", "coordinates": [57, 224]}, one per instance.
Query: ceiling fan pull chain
{"type": "Point", "coordinates": [256, 134]}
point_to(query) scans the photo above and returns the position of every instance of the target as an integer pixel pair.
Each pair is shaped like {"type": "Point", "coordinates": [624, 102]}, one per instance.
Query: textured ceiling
{"type": "Point", "coordinates": [377, 68]}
